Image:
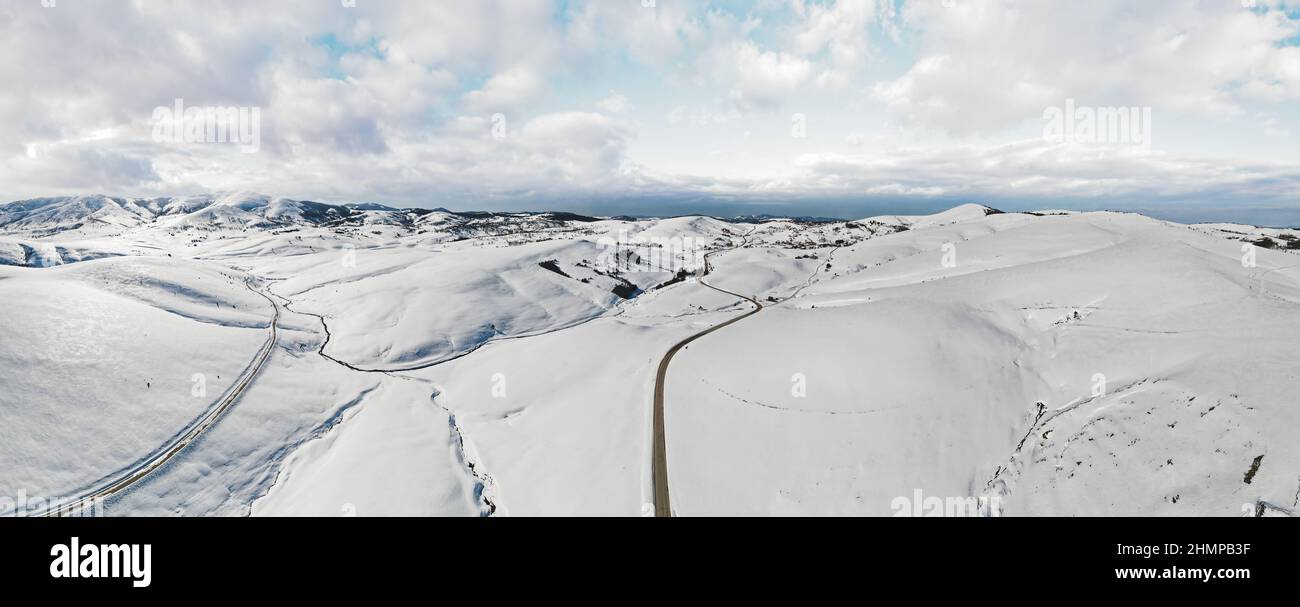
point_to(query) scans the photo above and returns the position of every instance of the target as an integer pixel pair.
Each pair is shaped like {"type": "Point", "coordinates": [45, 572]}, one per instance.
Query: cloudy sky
{"type": "Point", "coordinates": [641, 106]}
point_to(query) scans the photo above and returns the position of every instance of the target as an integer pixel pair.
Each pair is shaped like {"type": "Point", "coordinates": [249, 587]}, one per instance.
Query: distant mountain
{"type": "Point", "coordinates": [73, 212]}
{"type": "Point", "coordinates": [98, 215]}
{"type": "Point", "coordinates": [110, 216]}
{"type": "Point", "coordinates": [240, 210]}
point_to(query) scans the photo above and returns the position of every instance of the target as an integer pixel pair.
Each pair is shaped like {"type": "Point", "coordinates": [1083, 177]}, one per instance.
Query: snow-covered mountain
{"type": "Point", "coordinates": [83, 217]}
{"type": "Point", "coordinates": [364, 359]}
{"type": "Point", "coordinates": [73, 212]}
{"type": "Point", "coordinates": [236, 210]}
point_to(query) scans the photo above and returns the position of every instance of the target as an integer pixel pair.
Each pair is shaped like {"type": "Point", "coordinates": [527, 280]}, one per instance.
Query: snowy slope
{"type": "Point", "coordinates": [920, 376]}
{"type": "Point", "coordinates": [440, 363]}
{"type": "Point", "coordinates": [100, 373]}
{"type": "Point", "coordinates": [554, 425]}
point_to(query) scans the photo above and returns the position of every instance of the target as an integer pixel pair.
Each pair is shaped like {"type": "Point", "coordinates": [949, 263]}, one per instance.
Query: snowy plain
{"type": "Point", "coordinates": [439, 363]}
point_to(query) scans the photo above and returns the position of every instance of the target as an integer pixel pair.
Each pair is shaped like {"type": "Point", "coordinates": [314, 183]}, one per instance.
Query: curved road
{"type": "Point", "coordinates": [663, 505]}
{"type": "Point", "coordinates": [232, 395]}
{"type": "Point", "coordinates": [663, 502]}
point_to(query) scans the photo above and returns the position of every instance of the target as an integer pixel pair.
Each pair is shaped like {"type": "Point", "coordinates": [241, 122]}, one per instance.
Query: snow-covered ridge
{"type": "Point", "coordinates": [962, 213]}
{"type": "Point", "coordinates": [247, 210]}
{"type": "Point", "coordinates": [112, 214]}
{"type": "Point", "coordinates": [72, 218]}
{"type": "Point", "coordinates": [53, 231]}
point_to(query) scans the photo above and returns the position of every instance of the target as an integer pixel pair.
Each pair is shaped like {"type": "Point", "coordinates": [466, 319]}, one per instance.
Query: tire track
{"type": "Point", "coordinates": [169, 452]}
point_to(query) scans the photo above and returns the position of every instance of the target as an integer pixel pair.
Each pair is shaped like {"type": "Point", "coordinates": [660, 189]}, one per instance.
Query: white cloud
{"type": "Point", "coordinates": [1025, 170]}
{"type": "Point", "coordinates": [660, 37]}
{"type": "Point", "coordinates": [839, 30]}
{"type": "Point", "coordinates": [992, 64]}
{"type": "Point", "coordinates": [468, 36]}
{"type": "Point", "coordinates": [765, 79]}
{"type": "Point", "coordinates": [615, 104]}
{"type": "Point", "coordinates": [510, 90]}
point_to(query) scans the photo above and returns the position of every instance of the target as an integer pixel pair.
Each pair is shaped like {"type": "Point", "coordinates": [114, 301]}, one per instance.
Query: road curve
{"type": "Point", "coordinates": [232, 395]}
{"type": "Point", "coordinates": [663, 502]}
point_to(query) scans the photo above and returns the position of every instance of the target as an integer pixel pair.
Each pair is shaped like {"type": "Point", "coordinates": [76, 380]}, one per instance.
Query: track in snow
{"type": "Point", "coordinates": [130, 477]}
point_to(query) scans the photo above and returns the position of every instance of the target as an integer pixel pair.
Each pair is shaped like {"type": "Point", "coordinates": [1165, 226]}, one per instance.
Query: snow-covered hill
{"type": "Point", "coordinates": [1095, 364]}
{"type": "Point", "coordinates": [51, 215]}
{"type": "Point", "coordinates": [435, 362]}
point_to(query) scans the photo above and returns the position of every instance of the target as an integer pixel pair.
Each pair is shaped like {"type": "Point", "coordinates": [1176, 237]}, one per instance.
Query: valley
{"type": "Point", "coordinates": [239, 354]}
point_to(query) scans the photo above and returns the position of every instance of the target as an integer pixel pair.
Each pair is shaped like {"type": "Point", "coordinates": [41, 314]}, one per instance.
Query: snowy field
{"type": "Point", "coordinates": [245, 355]}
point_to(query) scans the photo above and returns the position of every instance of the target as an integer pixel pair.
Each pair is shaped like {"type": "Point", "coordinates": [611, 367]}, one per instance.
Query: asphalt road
{"type": "Point", "coordinates": [663, 501]}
